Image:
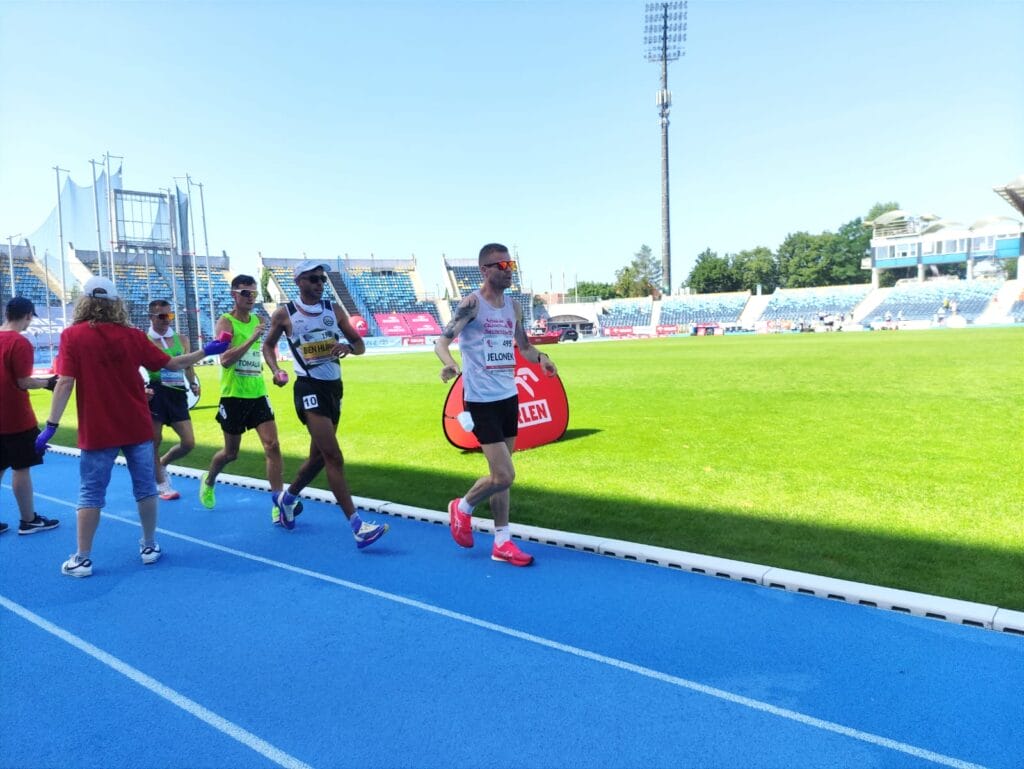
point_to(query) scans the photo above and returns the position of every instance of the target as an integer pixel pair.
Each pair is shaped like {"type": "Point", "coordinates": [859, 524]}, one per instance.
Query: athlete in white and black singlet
{"type": "Point", "coordinates": [489, 325]}
{"type": "Point", "coordinates": [319, 334]}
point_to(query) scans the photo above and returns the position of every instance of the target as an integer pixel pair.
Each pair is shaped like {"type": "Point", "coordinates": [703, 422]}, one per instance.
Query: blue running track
{"type": "Point", "coordinates": [249, 646]}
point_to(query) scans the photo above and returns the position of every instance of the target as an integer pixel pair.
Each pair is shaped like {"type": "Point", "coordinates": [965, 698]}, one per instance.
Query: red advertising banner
{"type": "Point", "coordinates": [421, 323]}
{"type": "Point", "coordinates": [391, 324]}
{"type": "Point", "coordinates": [543, 409]}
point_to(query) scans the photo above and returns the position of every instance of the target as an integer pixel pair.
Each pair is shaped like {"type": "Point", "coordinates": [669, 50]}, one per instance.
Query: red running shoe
{"type": "Point", "coordinates": [460, 524]}
{"type": "Point", "coordinates": [509, 553]}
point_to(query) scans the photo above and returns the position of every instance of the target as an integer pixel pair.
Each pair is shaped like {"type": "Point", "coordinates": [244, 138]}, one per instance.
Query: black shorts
{"type": "Point", "coordinates": [18, 450]}
{"type": "Point", "coordinates": [319, 396]}
{"type": "Point", "coordinates": [494, 421]}
{"type": "Point", "coordinates": [236, 415]}
{"type": "Point", "coordinates": [168, 404]}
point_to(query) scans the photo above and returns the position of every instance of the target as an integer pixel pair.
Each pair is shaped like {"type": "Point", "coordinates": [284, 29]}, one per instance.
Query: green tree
{"type": "Point", "coordinates": [805, 259]}
{"type": "Point", "coordinates": [265, 284]}
{"type": "Point", "coordinates": [712, 274]}
{"type": "Point", "coordinates": [641, 277]}
{"type": "Point", "coordinates": [851, 247]}
{"type": "Point", "coordinates": [600, 290]}
{"type": "Point", "coordinates": [880, 208]}
{"type": "Point", "coordinates": [753, 267]}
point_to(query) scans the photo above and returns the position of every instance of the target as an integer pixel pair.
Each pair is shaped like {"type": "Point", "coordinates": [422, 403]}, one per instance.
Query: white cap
{"type": "Point", "coordinates": [308, 265]}
{"type": "Point", "coordinates": [100, 288]}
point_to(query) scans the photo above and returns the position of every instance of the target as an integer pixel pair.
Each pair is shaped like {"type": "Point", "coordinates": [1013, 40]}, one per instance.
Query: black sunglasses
{"type": "Point", "coordinates": [315, 278]}
{"type": "Point", "coordinates": [248, 293]}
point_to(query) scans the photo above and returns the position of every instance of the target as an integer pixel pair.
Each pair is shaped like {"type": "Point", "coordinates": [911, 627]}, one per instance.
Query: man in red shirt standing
{"type": "Point", "coordinates": [100, 355]}
{"type": "Point", "coordinates": [18, 428]}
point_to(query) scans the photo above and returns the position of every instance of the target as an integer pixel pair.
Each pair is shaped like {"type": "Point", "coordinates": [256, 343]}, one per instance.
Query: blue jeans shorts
{"type": "Point", "coordinates": [95, 467]}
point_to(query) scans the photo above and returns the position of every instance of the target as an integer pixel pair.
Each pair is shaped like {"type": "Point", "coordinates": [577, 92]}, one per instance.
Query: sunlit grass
{"type": "Point", "coordinates": [889, 458]}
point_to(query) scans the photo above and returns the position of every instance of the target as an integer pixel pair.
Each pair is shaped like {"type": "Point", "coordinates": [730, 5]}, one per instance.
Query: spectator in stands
{"type": "Point", "coordinates": [169, 402]}
{"type": "Point", "coordinates": [100, 355]}
{"type": "Point", "coordinates": [488, 325]}
{"type": "Point", "coordinates": [319, 334]}
{"type": "Point", "coordinates": [18, 426]}
{"type": "Point", "coordinates": [244, 404]}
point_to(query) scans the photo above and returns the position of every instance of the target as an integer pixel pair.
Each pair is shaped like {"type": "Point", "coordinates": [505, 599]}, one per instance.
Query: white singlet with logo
{"type": "Point", "coordinates": [313, 336]}
{"type": "Point", "coordinates": [488, 352]}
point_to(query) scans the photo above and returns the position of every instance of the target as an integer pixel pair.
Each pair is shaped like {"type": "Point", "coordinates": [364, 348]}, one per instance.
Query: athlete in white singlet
{"type": "Point", "coordinates": [319, 334]}
{"type": "Point", "coordinates": [489, 325]}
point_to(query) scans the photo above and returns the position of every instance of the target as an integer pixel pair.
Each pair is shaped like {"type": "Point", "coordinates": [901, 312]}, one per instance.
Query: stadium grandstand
{"type": "Point", "coordinates": [25, 275]}
{"type": "Point", "coordinates": [618, 315]}
{"type": "Point", "coordinates": [385, 293]}
{"type": "Point", "coordinates": [798, 304]}
{"type": "Point", "coordinates": [703, 308]}
{"type": "Point", "coordinates": [935, 300]}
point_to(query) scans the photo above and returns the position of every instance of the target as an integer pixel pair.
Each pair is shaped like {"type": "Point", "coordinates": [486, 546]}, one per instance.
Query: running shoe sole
{"type": "Point", "coordinates": [369, 539]}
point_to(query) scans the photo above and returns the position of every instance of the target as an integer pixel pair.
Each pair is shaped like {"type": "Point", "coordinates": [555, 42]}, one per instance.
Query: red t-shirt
{"type": "Point", "coordinates": [104, 359]}
{"type": "Point", "coordinates": [16, 354]}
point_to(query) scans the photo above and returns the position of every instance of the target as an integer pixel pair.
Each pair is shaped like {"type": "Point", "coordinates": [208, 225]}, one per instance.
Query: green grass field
{"type": "Point", "coordinates": [890, 458]}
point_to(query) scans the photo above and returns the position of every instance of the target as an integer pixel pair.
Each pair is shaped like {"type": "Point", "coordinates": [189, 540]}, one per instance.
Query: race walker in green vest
{"type": "Point", "coordinates": [244, 404]}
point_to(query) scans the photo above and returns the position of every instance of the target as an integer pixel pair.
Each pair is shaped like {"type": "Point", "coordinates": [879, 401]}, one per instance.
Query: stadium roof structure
{"type": "Point", "coordinates": [942, 224]}
{"type": "Point", "coordinates": [1013, 193]}
{"type": "Point", "coordinates": [891, 223]}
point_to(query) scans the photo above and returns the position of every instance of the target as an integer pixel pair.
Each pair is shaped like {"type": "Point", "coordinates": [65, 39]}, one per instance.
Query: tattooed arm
{"type": "Point", "coordinates": [464, 313]}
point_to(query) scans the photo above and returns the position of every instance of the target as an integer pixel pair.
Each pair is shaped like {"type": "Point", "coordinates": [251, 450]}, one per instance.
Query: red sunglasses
{"type": "Point", "coordinates": [504, 264]}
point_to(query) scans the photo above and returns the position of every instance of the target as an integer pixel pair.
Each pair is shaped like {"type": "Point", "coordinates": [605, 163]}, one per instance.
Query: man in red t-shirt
{"type": "Point", "coordinates": [18, 427]}
{"type": "Point", "coordinates": [100, 355]}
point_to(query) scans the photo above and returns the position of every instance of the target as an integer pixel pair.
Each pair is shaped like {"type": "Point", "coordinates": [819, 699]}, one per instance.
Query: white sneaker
{"type": "Point", "coordinates": [149, 554]}
{"type": "Point", "coordinates": [76, 568]}
{"type": "Point", "coordinates": [166, 492]}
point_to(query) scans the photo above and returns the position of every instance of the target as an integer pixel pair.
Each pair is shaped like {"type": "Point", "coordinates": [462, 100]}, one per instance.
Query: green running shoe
{"type": "Point", "coordinates": [206, 493]}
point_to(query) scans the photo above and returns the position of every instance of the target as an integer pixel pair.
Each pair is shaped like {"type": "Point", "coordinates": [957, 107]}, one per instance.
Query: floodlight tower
{"type": "Point", "coordinates": [664, 39]}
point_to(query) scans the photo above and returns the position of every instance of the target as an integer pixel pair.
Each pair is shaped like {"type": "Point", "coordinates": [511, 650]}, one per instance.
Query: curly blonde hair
{"type": "Point", "coordinates": [101, 311]}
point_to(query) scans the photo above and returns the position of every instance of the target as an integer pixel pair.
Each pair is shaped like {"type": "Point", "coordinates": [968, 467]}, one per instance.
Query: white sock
{"type": "Point", "coordinates": [501, 535]}
{"type": "Point", "coordinates": [465, 507]}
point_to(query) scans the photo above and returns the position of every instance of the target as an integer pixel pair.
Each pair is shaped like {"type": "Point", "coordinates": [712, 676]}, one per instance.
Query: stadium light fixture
{"type": "Point", "coordinates": [665, 41]}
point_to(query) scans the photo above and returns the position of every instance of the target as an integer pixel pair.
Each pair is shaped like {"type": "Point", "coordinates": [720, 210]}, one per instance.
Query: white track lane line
{"type": "Point", "coordinates": [232, 730]}
{"type": "Point", "coordinates": [710, 691]}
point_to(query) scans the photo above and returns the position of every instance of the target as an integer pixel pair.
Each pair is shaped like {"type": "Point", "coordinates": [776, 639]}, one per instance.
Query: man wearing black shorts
{"type": "Point", "coordinates": [489, 326]}
{"type": "Point", "coordinates": [18, 426]}
{"type": "Point", "coordinates": [169, 404]}
{"type": "Point", "coordinates": [319, 334]}
{"type": "Point", "coordinates": [244, 404]}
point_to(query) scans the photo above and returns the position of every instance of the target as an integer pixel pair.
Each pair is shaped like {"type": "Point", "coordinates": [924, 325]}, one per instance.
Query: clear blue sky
{"type": "Point", "coordinates": [399, 128]}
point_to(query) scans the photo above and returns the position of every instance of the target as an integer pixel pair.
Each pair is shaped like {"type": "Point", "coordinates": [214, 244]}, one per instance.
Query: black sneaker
{"type": "Point", "coordinates": [39, 523]}
{"type": "Point", "coordinates": [3, 528]}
